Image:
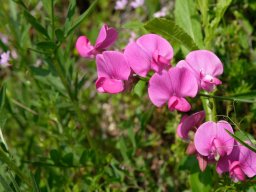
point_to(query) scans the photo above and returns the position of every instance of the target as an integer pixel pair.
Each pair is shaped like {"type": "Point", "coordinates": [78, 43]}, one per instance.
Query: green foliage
{"type": "Point", "coordinates": [172, 32]}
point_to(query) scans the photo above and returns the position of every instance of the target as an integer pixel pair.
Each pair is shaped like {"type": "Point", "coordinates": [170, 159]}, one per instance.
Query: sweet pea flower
{"type": "Point", "coordinates": [150, 51]}
{"type": "Point", "coordinates": [106, 37]}
{"type": "Point", "coordinates": [173, 86]}
{"type": "Point", "coordinates": [239, 163]}
{"type": "Point", "coordinates": [206, 67]}
{"type": "Point", "coordinates": [112, 70]}
{"type": "Point", "coordinates": [190, 123]}
{"type": "Point", "coordinates": [212, 140]}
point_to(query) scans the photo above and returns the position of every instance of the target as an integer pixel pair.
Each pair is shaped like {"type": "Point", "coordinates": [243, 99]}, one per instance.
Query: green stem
{"type": "Point", "coordinates": [4, 158]}
{"type": "Point", "coordinates": [209, 106]}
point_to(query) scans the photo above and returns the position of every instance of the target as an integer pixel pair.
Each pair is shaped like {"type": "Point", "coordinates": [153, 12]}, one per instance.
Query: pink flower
{"type": "Point", "coordinates": [173, 86]}
{"type": "Point", "coordinates": [239, 163]}
{"type": "Point", "coordinates": [190, 123]}
{"type": "Point", "coordinates": [137, 3]}
{"type": "Point", "coordinates": [212, 140]}
{"type": "Point", "coordinates": [112, 70]}
{"type": "Point", "coordinates": [4, 59]}
{"type": "Point", "coordinates": [107, 36]}
{"type": "Point", "coordinates": [149, 52]}
{"type": "Point", "coordinates": [121, 4]}
{"type": "Point", "coordinates": [206, 67]}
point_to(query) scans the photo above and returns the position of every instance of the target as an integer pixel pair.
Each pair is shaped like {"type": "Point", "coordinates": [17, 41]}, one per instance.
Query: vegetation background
{"type": "Point", "coordinates": [59, 134]}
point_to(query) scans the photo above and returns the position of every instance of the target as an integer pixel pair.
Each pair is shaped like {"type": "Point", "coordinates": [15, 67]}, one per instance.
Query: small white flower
{"type": "Point", "coordinates": [121, 4]}
{"type": "Point", "coordinates": [137, 3]}
{"type": "Point", "coordinates": [4, 58]}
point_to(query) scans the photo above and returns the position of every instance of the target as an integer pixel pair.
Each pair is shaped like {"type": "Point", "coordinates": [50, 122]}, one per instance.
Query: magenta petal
{"type": "Point", "coordinates": [202, 161]}
{"type": "Point", "coordinates": [204, 136]}
{"type": "Point", "coordinates": [107, 36]}
{"type": "Point", "coordinates": [153, 42]}
{"type": "Point", "coordinates": [180, 104]}
{"type": "Point", "coordinates": [113, 86]}
{"type": "Point", "coordinates": [223, 165]}
{"type": "Point", "coordinates": [113, 65]}
{"type": "Point", "coordinates": [159, 89]}
{"type": "Point", "coordinates": [189, 123]}
{"type": "Point", "coordinates": [159, 50]}
{"type": "Point", "coordinates": [84, 47]}
{"type": "Point", "coordinates": [236, 173]}
{"type": "Point", "coordinates": [205, 61]}
{"type": "Point", "coordinates": [138, 59]}
{"type": "Point", "coordinates": [191, 149]}
{"type": "Point", "coordinates": [247, 159]}
{"type": "Point", "coordinates": [212, 139]}
{"type": "Point", "coordinates": [183, 82]}
{"type": "Point", "coordinates": [224, 137]}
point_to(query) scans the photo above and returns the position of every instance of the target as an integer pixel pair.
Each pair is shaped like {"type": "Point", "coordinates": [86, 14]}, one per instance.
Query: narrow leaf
{"type": "Point", "coordinates": [172, 32]}
{"type": "Point", "coordinates": [81, 19]}
{"type": "Point", "coordinates": [5, 184]}
{"type": "Point", "coordinates": [33, 21]}
{"type": "Point", "coordinates": [241, 141]}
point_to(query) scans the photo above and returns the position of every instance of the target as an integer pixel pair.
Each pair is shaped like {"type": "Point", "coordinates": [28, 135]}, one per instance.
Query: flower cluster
{"type": "Point", "coordinates": [211, 143]}
{"type": "Point", "coordinates": [171, 85]}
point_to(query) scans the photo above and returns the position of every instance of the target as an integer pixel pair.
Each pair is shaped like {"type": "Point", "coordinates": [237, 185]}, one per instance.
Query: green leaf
{"type": "Point", "coordinates": [2, 96]}
{"type": "Point", "coordinates": [253, 148]}
{"type": "Point", "coordinates": [5, 184]}
{"type": "Point", "coordinates": [33, 21]}
{"type": "Point", "coordinates": [68, 158]}
{"type": "Point", "coordinates": [46, 45]}
{"type": "Point", "coordinates": [47, 6]}
{"type": "Point", "coordinates": [35, 186]}
{"type": "Point", "coordinates": [81, 19]}
{"type": "Point", "coordinates": [20, 2]}
{"type": "Point", "coordinates": [221, 8]}
{"type": "Point", "coordinates": [59, 34]}
{"type": "Point", "coordinates": [55, 156]}
{"type": "Point", "coordinates": [70, 14]}
{"type": "Point", "coordinates": [172, 32]}
{"type": "Point", "coordinates": [186, 16]}
{"type": "Point", "coordinates": [139, 88]}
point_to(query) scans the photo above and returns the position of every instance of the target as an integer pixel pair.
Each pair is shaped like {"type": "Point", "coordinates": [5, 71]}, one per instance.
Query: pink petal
{"type": "Point", "coordinates": [205, 61]}
{"type": "Point", "coordinates": [191, 149]}
{"type": "Point", "coordinates": [202, 161]}
{"type": "Point", "coordinates": [113, 65]}
{"type": "Point", "coordinates": [138, 59]}
{"type": "Point", "coordinates": [236, 172]}
{"type": "Point", "coordinates": [211, 139]}
{"type": "Point", "coordinates": [113, 86]}
{"type": "Point", "coordinates": [208, 82]}
{"type": "Point", "coordinates": [247, 159]}
{"type": "Point", "coordinates": [180, 104]}
{"type": "Point", "coordinates": [153, 42]}
{"type": "Point", "coordinates": [158, 48]}
{"type": "Point", "coordinates": [204, 136]}
{"type": "Point", "coordinates": [107, 36]}
{"type": "Point", "coordinates": [224, 137]}
{"type": "Point", "coordinates": [84, 47]}
{"type": "Point", "coordinates": [183, 82]}
{"type": "Point", "coordinates": [223, 165]}
{"type": "Point", "coordinates": [159, 89]}
{"type": "Point", "coordinates": [189, 123]}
